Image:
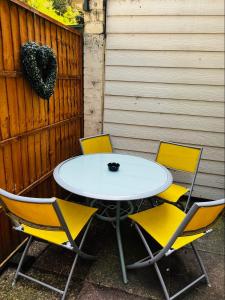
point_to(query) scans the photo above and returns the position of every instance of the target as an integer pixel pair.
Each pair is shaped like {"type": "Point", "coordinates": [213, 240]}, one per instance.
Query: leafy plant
{"type": "Point", "coordinates": [59, 10]}
{"type": "Point", "coordinates": [60, 6]}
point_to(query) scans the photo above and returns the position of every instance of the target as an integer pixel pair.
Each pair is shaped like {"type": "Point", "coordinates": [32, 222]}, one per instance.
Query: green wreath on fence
{"type": "Point", "coordinates": [40, 68]}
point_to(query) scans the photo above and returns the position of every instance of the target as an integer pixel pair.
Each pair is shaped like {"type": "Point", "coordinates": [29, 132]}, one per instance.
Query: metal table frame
{"type": "Point", "coordinates": [74, 189]}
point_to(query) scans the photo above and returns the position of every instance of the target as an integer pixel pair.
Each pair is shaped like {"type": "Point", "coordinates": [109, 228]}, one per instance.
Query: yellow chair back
{"type": "Point", "coordinates": [178, 157]}
{"type": "Point", "coordinates": [96, 144]}
{"type": "Point", "coordinates": [33, 213]}
{"type": "Point", "coordinates": [204, 217]}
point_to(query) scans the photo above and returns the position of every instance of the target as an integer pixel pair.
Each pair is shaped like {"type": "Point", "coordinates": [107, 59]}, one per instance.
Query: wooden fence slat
{"type": "Point", "coordinates": [2, 169]}
{"type": "Point", "coordinates": [6, 35]}
{"type": "Point", "coordinates": [4, 111]}
{"type": "Point", "coordinates": [25, 162]}
{"type": "Point", "coordinates": [42, 103]}
{"type": "Point", "coordinates": [1, 49]}
{"type": "Point", "coordinates": [52, 147]}
{"type": "Point", "coordinates": [59, 48]}
{"type": "Point", "coordinates": [55, 95]}
{"type": "Point", "coordinates": [9, 175]}
{"type": "Point", "coordinates": [35, 98]}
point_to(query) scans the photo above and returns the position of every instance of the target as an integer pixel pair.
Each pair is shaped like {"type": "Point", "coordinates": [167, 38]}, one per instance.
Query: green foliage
{"type": "Point", "coordinates": [60, 6]}
{"type": "Point", "coordinates": [67, 15]}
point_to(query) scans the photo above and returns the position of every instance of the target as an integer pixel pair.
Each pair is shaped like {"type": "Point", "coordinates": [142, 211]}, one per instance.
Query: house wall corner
{"type": "Point", "coordinates": [94, 52]}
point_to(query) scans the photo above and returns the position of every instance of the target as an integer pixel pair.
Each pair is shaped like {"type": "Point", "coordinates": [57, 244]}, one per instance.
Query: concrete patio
{"type": "Point", "coordinates": [101, 279]}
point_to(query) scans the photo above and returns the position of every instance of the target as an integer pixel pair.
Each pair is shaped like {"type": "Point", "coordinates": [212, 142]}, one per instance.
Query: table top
{"type": "Point", "coordinates": [89, 176]}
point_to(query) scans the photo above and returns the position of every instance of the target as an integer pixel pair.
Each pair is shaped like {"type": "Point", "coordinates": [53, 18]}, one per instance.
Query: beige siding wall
{"type": "Point", "coordinates": [164, 80]}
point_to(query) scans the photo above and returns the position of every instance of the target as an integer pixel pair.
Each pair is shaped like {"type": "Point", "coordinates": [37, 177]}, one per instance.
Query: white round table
{"type": "Point", "coordinates": [89, 176]}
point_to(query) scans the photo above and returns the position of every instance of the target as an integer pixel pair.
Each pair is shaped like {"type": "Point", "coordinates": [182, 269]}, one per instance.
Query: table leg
{"type": "Point", "coordinates": [119, 241]}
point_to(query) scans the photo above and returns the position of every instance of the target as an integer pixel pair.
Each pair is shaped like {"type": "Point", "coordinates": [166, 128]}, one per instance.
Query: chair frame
{"type": "Point", "coordinates": [91, 137]}
{"type": "Point", "coordinates": [194, 173]}
{"type": "Point", "coordinates": [70, 245]}
{"type": "Point", "coordinates": [153, 258]}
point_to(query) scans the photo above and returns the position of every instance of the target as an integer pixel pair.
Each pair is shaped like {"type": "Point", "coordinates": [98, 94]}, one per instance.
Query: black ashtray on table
{"type": "Point", "coordinates": [113, 166]}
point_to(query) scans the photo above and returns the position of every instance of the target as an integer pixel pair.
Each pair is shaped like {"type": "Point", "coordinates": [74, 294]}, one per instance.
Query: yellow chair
{"type": "Point", "coordinates": [51, 220]}
{"type": "Point", "coordinates": [182, 158]}
{"type": "Point", "coordinates": [96, 144]}
{"type": "Point", "coordinates": [173, 229]}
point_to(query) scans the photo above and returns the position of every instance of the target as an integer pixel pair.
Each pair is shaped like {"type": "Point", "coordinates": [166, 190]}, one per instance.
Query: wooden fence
{"type": "Point", "coordinates": [33, 139]}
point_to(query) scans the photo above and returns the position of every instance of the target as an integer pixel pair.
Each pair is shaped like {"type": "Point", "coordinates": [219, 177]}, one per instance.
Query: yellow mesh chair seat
{"type": "Point", "coordinates": [76, 217]}
{"type": "Point", "coordinates": [161, 223]}
{"type": "Point", "coordinates": [173, 193]}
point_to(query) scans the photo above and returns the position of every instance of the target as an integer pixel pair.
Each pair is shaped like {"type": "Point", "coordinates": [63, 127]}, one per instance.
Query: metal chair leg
{"type": "Point", "coordinates": [22, 259]}
{"type": "Point", "coordinates": [201, 264]}
{"type": "Point", "coordinates": [155, 264]}
{"type": "Point", "coordinates": [139, 205]}
{"type": "Point", "coordinates": [70, 276]}
{"type": "Point", "coordinates": [75, 261]}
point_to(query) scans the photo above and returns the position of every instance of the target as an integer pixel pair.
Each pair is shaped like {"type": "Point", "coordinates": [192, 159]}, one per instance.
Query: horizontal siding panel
{"type": "Point", "coordinates": [207, 192]}
{"type": "Point", "coordinates": [213, 156]}
{"type": "Point", "coordinates": [165, 7]}
{"type": "Point", "coordinates": [157, 134]}
{"type": "Point", "coordinates": [185, 42]}
{"type": "Point", "coordinates": [179, 59]}
{"type": "Point", "coordinates": [161, 90]}
{"type": "Point", "coordinates": [170, 106]}
{"type": "Point", "coordinates": [209, 124]}
{"type": "Point", "coordinates": [211, 167]}
{"type": "Point", "coordinates": [165, 24]}
{"type": "Point", "coordinates": [202, 179]}
{"type": "Point", "coordinates": [165, 75]}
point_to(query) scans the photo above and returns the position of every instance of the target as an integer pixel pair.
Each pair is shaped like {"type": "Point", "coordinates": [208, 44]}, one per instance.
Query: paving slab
{"type": "Point", "coordinates": [27, 290]}
{"type": "Point", "coordinates": [94, 292]}
{"type": "Point", "coordinates": [214, 242]}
